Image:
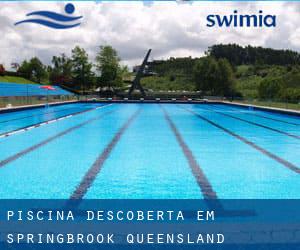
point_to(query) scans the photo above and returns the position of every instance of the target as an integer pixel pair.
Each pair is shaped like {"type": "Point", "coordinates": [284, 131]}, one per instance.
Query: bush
{"type": "Point", "coordinates": [172, 78]}
{"type": "Point", "coordinates": [11, 73]}
{"type": "Point", "coordinates": [213, 76]}
{"type": "Point", "coordinates": [270, 88]}
{"type": "Point", "coordinates": [2, 70]}
{"type": "Point", "coordinates": [290, 95]}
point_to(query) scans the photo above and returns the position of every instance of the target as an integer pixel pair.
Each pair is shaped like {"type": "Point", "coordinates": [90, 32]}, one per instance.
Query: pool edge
{"type": "Point", "coordinates": [242, 105]}
{"type": "Point", "coordinates": [263, 108]}
{"type": "Point", "coordinates": [34, 106]}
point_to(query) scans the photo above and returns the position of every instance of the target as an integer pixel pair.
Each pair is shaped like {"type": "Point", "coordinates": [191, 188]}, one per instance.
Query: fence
{"type": "Point", "coordinates": [14, 94]}
{"type": "Point", "coordinates": [287, 104]}
{"type": "Point", "coordinates": [30, 95]}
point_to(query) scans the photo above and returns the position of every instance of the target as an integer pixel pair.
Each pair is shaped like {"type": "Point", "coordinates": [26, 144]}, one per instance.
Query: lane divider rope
{"type": "Point", "coordinates": [17, 131]}
{"type": "Point", "coordinates": [50, 139]}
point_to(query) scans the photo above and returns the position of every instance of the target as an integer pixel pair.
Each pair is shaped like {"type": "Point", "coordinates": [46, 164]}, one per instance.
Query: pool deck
{"type": "Point", "coordinates": [263, 108]}
{"type": "Point", "coordinates": [19, 108]}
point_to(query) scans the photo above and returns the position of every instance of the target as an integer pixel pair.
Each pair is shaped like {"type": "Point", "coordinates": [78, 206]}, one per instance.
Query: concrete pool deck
{"type": "Point", "coordinates": [108, 100]}
{"type": "Point", "coordinates": [265, 108]}
{"type": "Point", "coordinates": [32, 106]}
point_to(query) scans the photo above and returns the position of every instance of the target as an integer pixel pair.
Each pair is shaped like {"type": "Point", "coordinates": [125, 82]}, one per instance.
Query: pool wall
{"type": "Point", "coordinates": [264, 108]}
{"type": "Point", "coordinates": [241, 105]}
{"type": "Point", "coordinates": [245, 106]}
{"type": "Point", "coordinates": [20, 108]}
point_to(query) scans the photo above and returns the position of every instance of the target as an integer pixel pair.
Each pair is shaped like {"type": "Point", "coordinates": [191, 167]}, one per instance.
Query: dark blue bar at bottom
{"type": "Point", "coordinates": [150, 224]}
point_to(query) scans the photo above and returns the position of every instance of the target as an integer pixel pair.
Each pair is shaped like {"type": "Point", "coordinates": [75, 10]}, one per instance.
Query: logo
{"type": "Point", "coordinates": [54, 20]}
{"type": "Point", "coordinates": [239, 20]}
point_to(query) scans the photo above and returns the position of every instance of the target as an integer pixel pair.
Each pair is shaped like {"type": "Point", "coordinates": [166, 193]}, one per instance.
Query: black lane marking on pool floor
{"type": "Point", "coordinates": [266, 117]}
{"type": "Point", "coordinates": [273, 119]}
{"type": "Point", "coordinates": [50, 139]}
{"type": "Point", "coordinates": [280, 160]}
{"type": "Point", "coordinates": [94, 170]}
{"type": "Point", "coordinates": [38, 114]}
{"type": "Point", "coordinates": [203, 182]}
{"type": "Point", "coordinates": [256, 124]}
{"type": "Point", "coordinates": [36, 125]}
{"type": "Point", "coordinates": [210, 196]}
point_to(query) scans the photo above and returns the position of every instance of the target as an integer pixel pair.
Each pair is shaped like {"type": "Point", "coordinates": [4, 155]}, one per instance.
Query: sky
{"type": "Point", "coordinates": [171, 29]}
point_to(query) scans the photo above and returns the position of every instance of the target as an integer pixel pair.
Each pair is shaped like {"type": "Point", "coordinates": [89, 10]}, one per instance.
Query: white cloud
{"type": "Point", "coordinates": [169, 28]}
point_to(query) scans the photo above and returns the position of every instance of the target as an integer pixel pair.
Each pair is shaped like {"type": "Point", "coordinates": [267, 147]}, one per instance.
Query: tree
{"type": "Point", "coordinates": [108, 65]}
{"type": "Point", "coordinates": [238, 55]}
{"type": "Point", "coordinates": [205, 73]}
{"type": "Point", "coordinates": [81, 69]}
{"type": "Point", "coordinates": [33, 70]}
{"type": "Point", "coordinates": [61, 71]}
{"type": "Point", "coordinates": [270, 88]}
{"type": "Point", "coordinates": [214, 76]}
{"type": "Point", "coordinates": [290, 95]}
{"type": "Point", "coordinates": [38, 70]}
{"type": "Point", "coordinates": [224, 84]}
{"type": "Point", "coordinates": [2, 70]}
{"type": "Point", "coordinates": [25, 69]}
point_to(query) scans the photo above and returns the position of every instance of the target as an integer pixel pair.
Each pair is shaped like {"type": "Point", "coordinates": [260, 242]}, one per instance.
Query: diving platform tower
{"type": "Point", "coordinates": [136, 84]}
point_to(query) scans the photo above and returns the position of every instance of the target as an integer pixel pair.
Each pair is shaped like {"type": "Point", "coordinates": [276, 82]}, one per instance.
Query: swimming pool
{"type": "Point", "coordinates": [171, 151]}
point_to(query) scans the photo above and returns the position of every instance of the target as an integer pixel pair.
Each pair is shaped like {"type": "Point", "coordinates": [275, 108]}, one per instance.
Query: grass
{"type": "Point", "coordinates": [15, 79]}
{"type": "Point", "coordinates": [242, 70]}
{"type": "Point", "coordinates": [273, 104]}
{"type": "Point", "coordinates": [165, 83]}
{"type": "Point", "coordinates": [248, 86]}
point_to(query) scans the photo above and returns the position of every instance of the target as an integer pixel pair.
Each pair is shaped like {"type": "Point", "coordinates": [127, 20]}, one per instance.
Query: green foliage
{"type": "Point", "coordinates": [205, 73]}
{"type": "Point", "coordinates": [15, 79]}
{"type": "Point", "coordinates": [61, 72]}
{"type": "Point", "coordinates": [280, 83]}
{"type": "Point", "coordinates": [253, 72]}
{"type": "Point", "coordinates": [290, 95]}
{"type": "Point", "coordinates": [2, 70]}
{"type": "Point", "coordinates": [33, 70]}
{"type": "Point", "coordinates": [269, 88]}
{"type": "Point", "coordinates": [171, 74]}
{"type": "Point", "coordinates": [248, 86]}
{"type": "Point", "coordinates": [214, 76]}
{"type": "Point", "coordinates": [76, 71]}
{"type": "Point", "coordinates": [108, 65]}
{"type": "Point", "coordinates": [172, 78]}
{"type": "Point", "coordinates": [277, 89]}
{"type": "Point", "coordinates": [38, 70]}
{"type": "Point", "coordinates": [292, 78]}
{"type": "Point", "coordinates": [238, 55]}
{"type": "Point", "coordinates": [164, 83]}
{"type": "Point", "coordinates": [173, 66]}
{"type": "Point", "coordinates": [225, 78]}
{"type": "Point", "coordinates": [242, 71]}
{"type": "Point", "coordinates": [83, 77]}
{"type": "Point", "coordinates": [25, 69]}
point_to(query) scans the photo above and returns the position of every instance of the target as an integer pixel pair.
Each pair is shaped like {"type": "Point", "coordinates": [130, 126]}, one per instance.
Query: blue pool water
{"type": "Point", "coordinates": [149, 151]}
{"type": "Point", "coordinates": [17, 120]}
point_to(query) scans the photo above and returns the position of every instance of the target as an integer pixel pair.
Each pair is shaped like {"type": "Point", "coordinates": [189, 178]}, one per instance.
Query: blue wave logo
{"type": "Point", "coordinates": [55, 20]}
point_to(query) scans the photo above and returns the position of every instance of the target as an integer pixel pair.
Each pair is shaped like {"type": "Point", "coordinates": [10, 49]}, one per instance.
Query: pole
{"type": "Point", "coordinates": [82, 76]}
{"type": "Point", "coordinates": [27, 99]}
{"type": "Point", "coordinates": [47, 98]}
